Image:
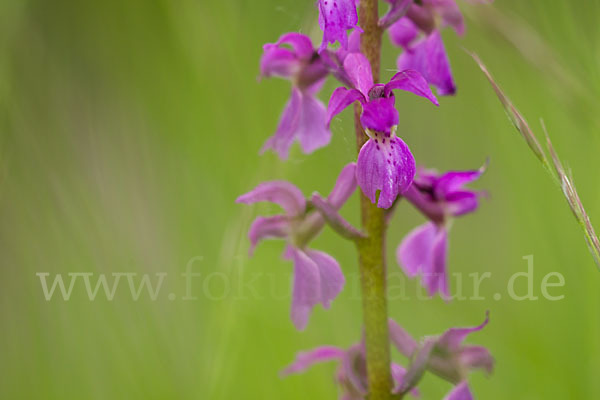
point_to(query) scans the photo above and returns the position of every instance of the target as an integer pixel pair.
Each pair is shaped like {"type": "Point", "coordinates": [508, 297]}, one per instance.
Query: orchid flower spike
{"type": "Point", "coordinates": [385, 162]}
{"type": "Point", "coordinates": [351, 373]}
{"type": "Point", "coordinates": [439, 197]}
{"type": "Point", "coordinates": [446, 356]}
{"type": "Point", "coordinates": [317, 275]}
{"type": "Point", "coordinates": [418, 33]}
{"type": "Point", "coordinates": [304, 116]}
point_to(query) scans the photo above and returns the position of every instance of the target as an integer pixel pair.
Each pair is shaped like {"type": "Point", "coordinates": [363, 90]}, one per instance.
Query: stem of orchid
{"type": "Point", "coordinates": [371, 249]}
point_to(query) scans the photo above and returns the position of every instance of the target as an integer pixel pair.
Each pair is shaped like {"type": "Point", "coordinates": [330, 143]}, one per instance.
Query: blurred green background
{"type": "Point", "coordinates": [128, 128]}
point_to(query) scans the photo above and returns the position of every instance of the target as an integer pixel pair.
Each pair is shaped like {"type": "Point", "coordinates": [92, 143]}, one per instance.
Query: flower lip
{"type": "Point", "coordinates": [385, 164]}
{"type": "Point", "coordinates": [335, 18]}
{"type": "Point", "coordinates": [380, 115]}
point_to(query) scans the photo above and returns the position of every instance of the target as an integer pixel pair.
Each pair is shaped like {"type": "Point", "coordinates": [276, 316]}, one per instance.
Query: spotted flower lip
{"type": "Point", "coordinates": [351, 373]}
{"type": "Point", "coordinates": [318, 278]}
{"type": "Point", "coordinates": [336, 17]}
{"type": "Point", "coordinates": [293, 57]}
{"type": "Point", "coordinates": [424, 251]}
{"type": "Point", "coordinates": [385, 163]}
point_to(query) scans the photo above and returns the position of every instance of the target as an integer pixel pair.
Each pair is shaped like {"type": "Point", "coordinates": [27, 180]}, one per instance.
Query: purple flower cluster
{"type": "Point", "coordinates": [385, 171]}
{"type": "Point", "coordinates": [385, 162]}
{"type": "Point", "coordinates": [304, 115]}
{"type": "Point", "coordinates": [445, 356]}
{"type": "Point", "coordinates": [440, 198]}
{"type": "Point", "coordinates": [317, 275]}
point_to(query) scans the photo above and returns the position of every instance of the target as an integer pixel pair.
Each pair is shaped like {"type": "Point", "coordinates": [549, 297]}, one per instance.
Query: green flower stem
{"type": "Point", "coordinates": [371, 249]}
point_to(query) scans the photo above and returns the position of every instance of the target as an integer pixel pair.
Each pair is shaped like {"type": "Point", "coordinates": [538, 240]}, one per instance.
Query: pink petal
{"type": "Point", "coordinates": [435, 279]}
{"type": "Point", "coordinates": [403, 32]}
{"type": "Point", "coordinates": [277, 226]}
{"type": "Point", "coordinates": [424, 16]}
{"type": "Point", "coordinates": [398, 373]}
{"type": "Point", "coordinates": [411, 81]}
{"type": "Point", "coordinates": [430, 59]}
{"type": "Point", "coordinates": [283, 138]}
{"type": "Point", "coordinates": [306, 292]}
{"type": "Point", "coordinates": [453, 337]}
{"type": "Point", "coordinates": [460, 392]}
{"type": "Point", "coordinates": [460, 203]}
{"type": "Point", "coordinates": [414, 253]}
{"type": "Point", "coordinates": [331, 277]}
{"type": "Point", "coordinates": [454, 180]}
{"type": "Point", "coordinates": [358, 69]}
{"type": "Point", "coordinates": [353, 46]}
{"type": "Point", "coordinates": [423, 252]}
{"type": "Point", "coordinates": [475, 357]}
{"type": "Point", "coordinates": [450, 13]}
{"type": "Point", "coordinates": [313, 131]}
{"type": "Point", "coordinates": [401, 339]}
{"type": "Point", "coordinates": [340, 99]}
{"type": "Point", "coordinates": [354, 41]}
{"type": "Point", "coordinates": [344, 186]}
{"type": "Point", "coordinates": [385, 164]}
{"type": "Point", "coordinates": [284, 62]}
{"type": "Point", "coordinates": [419, 196]}
{"type": "Point", "coordinates": [288, 196]}
{"type": "Point", "coordinates": [355, 370]}
{"type": "Point", "coordinates": [301, 44]}
{"type": "Point", "coordinates": [277, 61]}
{"type": "Point", "coordinates": [398, 9]}
{"type": "Point", "coordinates": [306, 359]}
{"type": "Point", "coordinates": [304, 118]}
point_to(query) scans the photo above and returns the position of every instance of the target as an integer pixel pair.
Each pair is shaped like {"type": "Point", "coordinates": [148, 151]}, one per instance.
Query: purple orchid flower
{"type": "Point", "coordinates": [418, 34]}
{"type": "Point", "coordinates": [351, 374]}
{"type": "Point", "coordinates": [424, 250]}
{"type": "Point", "coordinates": [335, 18]}
{"type": "Point", "coordinates": [304, 116]}
{"type": "Point", "coordinates": [317, 276]}
{"type": "Point", "coordinates": [385, 162]}
{"type": "Point", "coordinates": [445, 356]}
